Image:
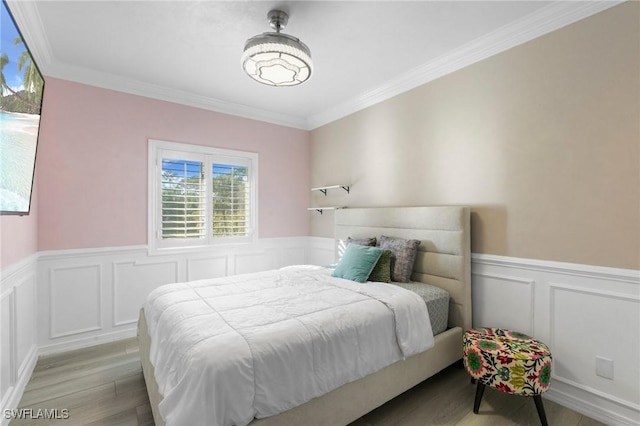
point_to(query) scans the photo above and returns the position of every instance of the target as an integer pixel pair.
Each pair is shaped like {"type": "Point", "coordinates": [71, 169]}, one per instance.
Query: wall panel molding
{"type": "Point", "coordinates": [595, 292]}
{"type": "Point", "coordinates": [581, 312]}
{"type": "Point", "coordinates": [75, 300]}
{"type": "Point", "coordinates": [576, 327]}
{"type": "Point", "coordinates": [110, 284]}
{"type": "Point", "coordinates": [8, 373]}
{"type": "Point", "coordinates": [516, 294]}
{"type": "Point", "coordinates": [322, 251]}
{"type": "Point", "coordinates": [18, 347]}
{"type": "Point", "coordinates": [25, 312]}
{"type": "Point", "coordinates": [629, 276]}
{"type": "Point", "coordinates": [549, 297]}
{"type": "Point", "coordinates": [210, 266]}
{"type": "Point", "coordinates": [15, 274]}
{"type": "Point", "coordinates": [131, 288]}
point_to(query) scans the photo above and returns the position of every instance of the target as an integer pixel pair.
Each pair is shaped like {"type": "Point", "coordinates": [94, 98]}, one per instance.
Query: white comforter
{"type": "Point", "coordinates": [230, 349]}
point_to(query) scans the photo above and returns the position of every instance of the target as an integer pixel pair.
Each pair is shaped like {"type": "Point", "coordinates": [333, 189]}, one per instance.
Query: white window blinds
{"type": "Point", "coordinates": [231, 204]}
{"type": "Point", "coordinates": [183, 199]}
{"type": "Point", "coordinates": [201, 196]}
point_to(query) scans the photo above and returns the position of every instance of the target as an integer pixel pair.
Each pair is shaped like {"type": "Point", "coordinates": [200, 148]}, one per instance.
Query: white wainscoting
{"type": "Point", "coordinates": [86, 297]}
{"type": "Point", "coordinates": [322, 251]}
{"type": "Point", "coordinates": [18, 345]}
{"type": "Point", "coordinates": [582, 312]}
{"type": "Point", "coordinates": [91, 296]}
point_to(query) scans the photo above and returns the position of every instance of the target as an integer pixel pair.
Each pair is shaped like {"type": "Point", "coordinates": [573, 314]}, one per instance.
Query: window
{"type": "Point", "coordinates": [200, 196]}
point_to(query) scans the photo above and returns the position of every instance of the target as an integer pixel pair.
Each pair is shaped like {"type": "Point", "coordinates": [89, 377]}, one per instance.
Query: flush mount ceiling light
{"type": "Point", "coordinates": [277, 59]}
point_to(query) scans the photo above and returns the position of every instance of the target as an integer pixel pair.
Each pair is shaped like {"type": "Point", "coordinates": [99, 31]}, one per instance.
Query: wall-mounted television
{"type": "Point", "coordinates": [20, 105]}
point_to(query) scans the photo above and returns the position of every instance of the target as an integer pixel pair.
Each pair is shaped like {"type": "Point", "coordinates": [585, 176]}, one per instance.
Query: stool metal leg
{"type": "Point", "coordinates": [543, 418]}
{"type": "Point", "coordinates": [479, 392]}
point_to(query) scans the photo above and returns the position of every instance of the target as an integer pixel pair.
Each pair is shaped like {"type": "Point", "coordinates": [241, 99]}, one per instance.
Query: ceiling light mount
{"type": "Point", "coordinates": [277, 59]}
{"type": "Point", "coordinates": [278, 20]}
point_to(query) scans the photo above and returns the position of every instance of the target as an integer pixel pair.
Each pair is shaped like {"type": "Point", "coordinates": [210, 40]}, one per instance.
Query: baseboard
{"type": "Point", "coordinates": [13, 397]}
{"type": "Point", "coordinates": [85, 342]}
{"type": "Point", "coordinates": [617, 415]}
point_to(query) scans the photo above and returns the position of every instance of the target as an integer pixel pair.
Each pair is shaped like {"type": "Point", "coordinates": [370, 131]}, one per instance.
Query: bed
{"type": "Point", "coordinates": [443, 260]}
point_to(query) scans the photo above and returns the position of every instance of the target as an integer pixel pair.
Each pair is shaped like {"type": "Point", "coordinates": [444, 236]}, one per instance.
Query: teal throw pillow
{"type": "Point", "coordinates": [357, 262]}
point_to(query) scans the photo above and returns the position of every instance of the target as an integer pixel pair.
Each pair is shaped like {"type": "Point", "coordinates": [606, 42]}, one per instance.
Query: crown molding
{"type": "Point", "coordinates": [26, 15]}
{"type": "Point", "coordinates": [28, 19]}
{"type": "Point", "coordinates": [550, 18]}
{"type": "Point", "coordinates": [539, 23]}
{"type": "Point", "coordinates": [118, 83]}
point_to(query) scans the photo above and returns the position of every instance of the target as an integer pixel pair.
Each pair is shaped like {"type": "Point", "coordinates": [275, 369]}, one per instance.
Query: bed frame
{"type": "Point", "coordinates": [444, 260]}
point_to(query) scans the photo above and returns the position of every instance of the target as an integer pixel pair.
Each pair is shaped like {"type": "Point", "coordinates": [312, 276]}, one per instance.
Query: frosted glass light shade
{"type": "Point", "coordinates": [277, 60]}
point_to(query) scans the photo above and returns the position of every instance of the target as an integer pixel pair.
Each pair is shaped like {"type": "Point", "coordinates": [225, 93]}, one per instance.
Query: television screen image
{"type": "Point", "coordinates": [20, 104]}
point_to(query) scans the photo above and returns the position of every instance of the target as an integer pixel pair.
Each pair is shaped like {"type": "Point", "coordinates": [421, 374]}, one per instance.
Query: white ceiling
{"type": "Point", "coordinates": [363, 51]}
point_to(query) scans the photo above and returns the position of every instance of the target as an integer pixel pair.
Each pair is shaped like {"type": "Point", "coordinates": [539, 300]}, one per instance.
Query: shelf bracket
{"type": "Point", "coordinates": [319, 210]}
{"type": "Point", "coordinates": [325, 189]}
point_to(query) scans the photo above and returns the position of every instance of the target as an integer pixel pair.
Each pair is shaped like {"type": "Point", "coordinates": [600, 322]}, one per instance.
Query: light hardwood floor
{"type": "Point", "coordinates": [103, 385]}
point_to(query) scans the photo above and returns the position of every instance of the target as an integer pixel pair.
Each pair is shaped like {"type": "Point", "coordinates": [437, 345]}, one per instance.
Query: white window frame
{"type": "Point", "coordinates": [158, 149]}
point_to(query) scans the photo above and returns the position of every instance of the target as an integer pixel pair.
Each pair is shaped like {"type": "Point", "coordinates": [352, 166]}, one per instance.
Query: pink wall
{"type": "Point", "coordinates": [19, 235]}
{"type": "Point", "coordinates": [92, 164]}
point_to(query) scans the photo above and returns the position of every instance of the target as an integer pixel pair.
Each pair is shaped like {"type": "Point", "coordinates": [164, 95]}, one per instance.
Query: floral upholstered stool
{"type": "Point", "coordinates": [508, 361]}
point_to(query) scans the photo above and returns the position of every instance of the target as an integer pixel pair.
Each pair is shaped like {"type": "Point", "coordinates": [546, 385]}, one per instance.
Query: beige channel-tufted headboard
{"type": "Point", "coordinates": [444, 254]}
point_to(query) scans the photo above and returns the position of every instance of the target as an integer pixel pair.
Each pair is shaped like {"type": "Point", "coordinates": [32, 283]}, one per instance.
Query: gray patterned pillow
{"type": "Point", "coordinates": [371, 242]}
{"type": "Point", "coordinates": [403, 258]}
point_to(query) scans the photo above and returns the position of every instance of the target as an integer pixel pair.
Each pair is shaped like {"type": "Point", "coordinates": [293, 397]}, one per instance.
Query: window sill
{"type": "Point", "coordinates": [227, 245]}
